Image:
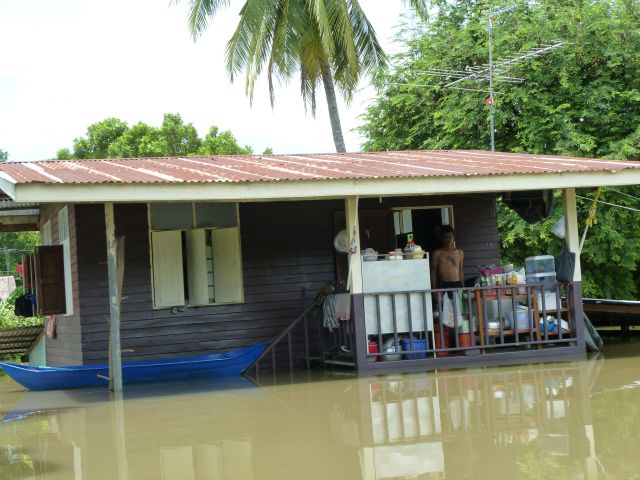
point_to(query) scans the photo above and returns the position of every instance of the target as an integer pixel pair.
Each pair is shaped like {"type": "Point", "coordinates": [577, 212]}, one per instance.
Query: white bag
{"type": "Point", "coordinates": [559, 228]}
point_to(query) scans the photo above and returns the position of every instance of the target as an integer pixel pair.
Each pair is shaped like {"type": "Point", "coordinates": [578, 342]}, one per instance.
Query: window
{"type": "Point", "coordinates": [423, 222]}
{"type": "Point", "coordinates": [195, 254]}
{"type": "Point", "coordinates": [63, 237]}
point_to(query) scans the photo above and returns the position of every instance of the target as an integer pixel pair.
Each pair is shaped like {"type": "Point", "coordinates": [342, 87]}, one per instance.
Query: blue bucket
{"type": "Point", "coordinates": [418, 344]}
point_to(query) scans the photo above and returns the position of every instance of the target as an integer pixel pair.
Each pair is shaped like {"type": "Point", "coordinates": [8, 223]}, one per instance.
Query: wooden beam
{"type": "Point", "coordinates": [19, 227]}
{"type": "Point", "coordinates": [115, 364]}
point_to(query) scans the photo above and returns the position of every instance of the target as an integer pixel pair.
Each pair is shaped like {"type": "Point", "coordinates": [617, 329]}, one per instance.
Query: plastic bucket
{"type": "Point", "coordinates": [418, 344]}
{"type": "Point", "coordinates": [464, 340]}
{"type": "Point", "coordinates": [373, 348]}
{"type": "Point", "coordinates": [444, 343]}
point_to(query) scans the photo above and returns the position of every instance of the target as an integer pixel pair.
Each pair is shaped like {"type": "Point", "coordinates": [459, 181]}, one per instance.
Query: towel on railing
{"type": "Point", "coordinates": [329, 313]}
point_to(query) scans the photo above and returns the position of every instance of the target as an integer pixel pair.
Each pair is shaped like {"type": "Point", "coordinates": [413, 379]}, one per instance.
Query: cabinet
{"type": "Point", "coordinates": [405, 311]}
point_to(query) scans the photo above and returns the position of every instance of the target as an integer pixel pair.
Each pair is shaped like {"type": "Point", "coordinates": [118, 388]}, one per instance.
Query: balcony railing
{"type": "Point", "coordinates": [433, 326]}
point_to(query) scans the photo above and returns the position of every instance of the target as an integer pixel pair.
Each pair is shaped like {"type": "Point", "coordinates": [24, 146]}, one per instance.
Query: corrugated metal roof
{"type": "Point", "coordinates": [261, 168]}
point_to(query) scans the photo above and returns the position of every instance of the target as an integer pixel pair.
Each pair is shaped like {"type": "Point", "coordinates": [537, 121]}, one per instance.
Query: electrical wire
{"type": "Point", "coordinates": [623, 193]}
{"type": "Point", "coordinates": [609, 204]}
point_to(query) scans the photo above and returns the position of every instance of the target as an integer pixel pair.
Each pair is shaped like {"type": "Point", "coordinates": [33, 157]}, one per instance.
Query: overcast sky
{"type": "Point", "coordinates": [66, 64]}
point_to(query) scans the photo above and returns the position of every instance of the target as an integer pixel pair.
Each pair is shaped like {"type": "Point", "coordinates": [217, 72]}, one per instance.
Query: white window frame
{"type": "Point", "coordinates": [399, 213]}
{"type": "Point", "coordinates": [174, 263]}
{"type": "Point", "coordinates": [64, 240]}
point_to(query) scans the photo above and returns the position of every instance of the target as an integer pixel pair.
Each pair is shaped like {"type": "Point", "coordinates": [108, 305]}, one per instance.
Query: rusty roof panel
{"type": "Point", "coordinates": [257, 168]}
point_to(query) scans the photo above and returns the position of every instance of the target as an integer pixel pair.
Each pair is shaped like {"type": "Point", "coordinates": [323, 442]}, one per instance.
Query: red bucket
{"type": "Point", "coordinates": [373, 348]}
{"type": "Point", "coordinates": [439, 344]}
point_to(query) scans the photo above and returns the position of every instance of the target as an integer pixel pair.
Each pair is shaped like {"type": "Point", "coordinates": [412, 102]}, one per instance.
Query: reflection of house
{"type": "Point", "coordinates": [217, 250]}
{"type": "Point", "coordinates": [493, 423]}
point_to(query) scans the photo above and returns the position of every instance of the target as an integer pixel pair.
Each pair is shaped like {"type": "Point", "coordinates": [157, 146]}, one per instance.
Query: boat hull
{"type": "Point", "coordinates": [56, 378]}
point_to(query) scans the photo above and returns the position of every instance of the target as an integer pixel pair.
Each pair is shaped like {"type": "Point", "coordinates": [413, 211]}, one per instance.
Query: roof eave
{"type": "Point", "coordinates": [315, 189]}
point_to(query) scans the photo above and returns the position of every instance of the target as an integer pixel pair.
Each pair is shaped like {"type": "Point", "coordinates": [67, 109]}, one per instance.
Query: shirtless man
{"type": "Point", "coordinates": [446, 264]}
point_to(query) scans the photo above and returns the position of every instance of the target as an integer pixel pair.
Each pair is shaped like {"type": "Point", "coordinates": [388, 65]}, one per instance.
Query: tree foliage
{"type": "Point", "coordinates": [581, 100]}
{"type": "Point", "coordinates": [329, 43]}
{"type": "Point", "coordinates": [113, 138]}
{"type": "Point", "coordinates": [4, 156]}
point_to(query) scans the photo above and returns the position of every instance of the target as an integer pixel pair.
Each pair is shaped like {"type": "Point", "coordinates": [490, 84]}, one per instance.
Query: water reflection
{"type": "Point", "coordinates": [511, 422]}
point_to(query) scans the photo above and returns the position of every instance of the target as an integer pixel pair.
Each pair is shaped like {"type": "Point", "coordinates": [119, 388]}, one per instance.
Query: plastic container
{"type": "Point", "coordinates": [418, 344]}
{"type": "Point", "coordinates": [373, 348]}
{"type": "Point", "coordinates": [539, 264]}
{"type": "Point", "coordinates": [390, 346]}
{"type": "Point", "coordinates": [441, 343]}
{"type": "Point", "coordinates": [522, 318]}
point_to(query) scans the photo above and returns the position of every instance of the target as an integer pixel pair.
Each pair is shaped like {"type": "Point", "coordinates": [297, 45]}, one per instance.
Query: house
{"type": "Point", "coordinates": [203, 254]}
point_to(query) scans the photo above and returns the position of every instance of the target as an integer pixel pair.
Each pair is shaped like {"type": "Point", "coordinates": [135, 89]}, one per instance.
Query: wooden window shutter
{"type": "Point", "coordinates": [49, 280]}
{"type": "Point", "coordinates": [26, 274]}
{"type": "Point", "coordinates": [227, 266]}
{"type": "Point", "coordinates": [168, 275]}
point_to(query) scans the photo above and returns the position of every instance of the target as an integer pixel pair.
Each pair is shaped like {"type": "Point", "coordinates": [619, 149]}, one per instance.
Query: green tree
{"type": "Point", "coordinates": [113, 138]}
{"type": "Point", "coordinates": [4, 156]}
{"type": "Point", "coordinates": [329, 42]}
{"type": "Point", "coordinates": [582, 100]}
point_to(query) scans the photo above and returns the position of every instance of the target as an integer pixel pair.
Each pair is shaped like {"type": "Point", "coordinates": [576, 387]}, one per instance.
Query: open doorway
{"type": "Point", "coordinates": [424, 223]}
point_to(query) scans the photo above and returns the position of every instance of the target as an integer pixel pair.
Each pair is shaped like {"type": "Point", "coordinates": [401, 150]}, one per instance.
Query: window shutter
{"type": "Point", "coordinates": [168, 277]}
{"type": "Point", "coordinates": [49, 280]}
{"type": "Point", "coordinates": [197, 267]}
{"type": "Point", "coordinates": [26, 274]}
{"type": "Point", "coordinates": [227, 269]}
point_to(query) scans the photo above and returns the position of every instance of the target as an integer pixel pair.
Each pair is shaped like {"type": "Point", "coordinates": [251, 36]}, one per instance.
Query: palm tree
{"type": "Point", "coordinates": [328, 41]}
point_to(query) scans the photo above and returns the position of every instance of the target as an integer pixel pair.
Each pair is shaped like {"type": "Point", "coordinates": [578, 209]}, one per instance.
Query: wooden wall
{"type": "Point", "coordinates": [475, 222]}
{"type": "Point", "coordinates": [286, 246]}
{"type": "Point", "coordinates": [65, 347]}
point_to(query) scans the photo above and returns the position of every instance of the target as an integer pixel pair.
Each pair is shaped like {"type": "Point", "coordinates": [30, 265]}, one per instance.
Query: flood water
{"type": "Point", "coordinates": [577, 420]}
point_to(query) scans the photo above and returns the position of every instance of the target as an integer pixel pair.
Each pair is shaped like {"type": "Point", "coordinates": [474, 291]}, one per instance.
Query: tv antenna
{"type": "Point", "coordinates": [488, 72]}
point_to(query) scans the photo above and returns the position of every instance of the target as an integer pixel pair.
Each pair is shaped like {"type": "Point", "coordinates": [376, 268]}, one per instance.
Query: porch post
{"type": "Point", "coordinates": [353, 230]}
{"type": "Point", "coordinates": [355, 284]}
{"type": "Point", "coordinates": [572, 236]}
{"type": "Point", "coordinates": [115, 355]}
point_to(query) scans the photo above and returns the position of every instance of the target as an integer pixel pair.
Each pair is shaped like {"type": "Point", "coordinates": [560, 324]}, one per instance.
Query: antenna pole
{"type": "Point", "coordinates": [491, 105]}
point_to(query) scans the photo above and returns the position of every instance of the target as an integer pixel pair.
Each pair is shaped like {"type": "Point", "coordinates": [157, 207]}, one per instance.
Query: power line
{"type": "Point", "coordinates": [609, 204]}
{"type": "Point", "coordinates": [623, 193]}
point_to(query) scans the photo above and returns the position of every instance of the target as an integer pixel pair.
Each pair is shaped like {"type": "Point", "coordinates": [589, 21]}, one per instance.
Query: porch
{"type": "Point", "coordinates": [486, 325]}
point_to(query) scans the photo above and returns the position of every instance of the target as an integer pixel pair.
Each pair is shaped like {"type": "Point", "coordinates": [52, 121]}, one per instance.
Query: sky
{"type": "Point", "coordinates": [66, 64]}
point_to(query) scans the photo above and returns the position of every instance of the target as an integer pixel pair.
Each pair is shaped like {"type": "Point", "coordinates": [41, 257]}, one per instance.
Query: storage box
{"type": "Point", "coordinates": [539, 264]}
{"type": "Point", "coordinates": [538, 278]}
{"type": "Point", "coordinates": [522, 318]}
{"type": "Point", "coordinates": [418, 344]}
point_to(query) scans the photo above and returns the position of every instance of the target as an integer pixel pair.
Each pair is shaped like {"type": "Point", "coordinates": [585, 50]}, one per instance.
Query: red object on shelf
{"type": "Point", "coordinates": [439, 344]}
{"type": "Point", "coordinates": [373, 348]}
{"type": "Point", "coordinates": [464, 339]}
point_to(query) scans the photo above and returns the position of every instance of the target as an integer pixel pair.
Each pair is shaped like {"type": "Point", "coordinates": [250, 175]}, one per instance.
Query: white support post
{"type": "Point", "coordinates": [572, 235]}
{"type": "Point", "coordinates": [115, 364]}
{"type": "Point", "coordinates": [355, 259]}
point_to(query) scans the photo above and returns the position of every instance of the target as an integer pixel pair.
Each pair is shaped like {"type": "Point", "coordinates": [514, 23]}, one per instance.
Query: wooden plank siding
{"type": "Point", "coordinates": [474, 219]}
{"type": "Point", "coordinates": [286, 246]}
{"type": "Point", "coordinates": [65, 348]}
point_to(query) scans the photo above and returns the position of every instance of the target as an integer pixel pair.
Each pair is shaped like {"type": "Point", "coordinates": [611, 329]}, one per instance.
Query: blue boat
{"type": "Point", "coordinates": [224, 364]}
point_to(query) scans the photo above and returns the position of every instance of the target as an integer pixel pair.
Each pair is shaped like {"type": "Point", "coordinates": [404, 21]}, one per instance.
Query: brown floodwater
{"type": "Point", "coordinates": [577, 420]}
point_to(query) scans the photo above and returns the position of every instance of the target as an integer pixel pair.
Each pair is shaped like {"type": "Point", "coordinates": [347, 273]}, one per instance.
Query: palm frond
{"type": "Point", "coordinates": [200, 12]}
